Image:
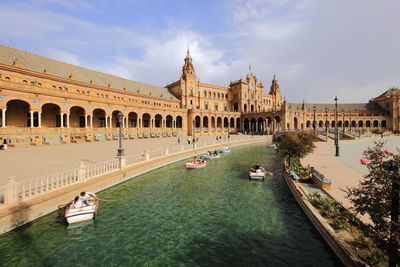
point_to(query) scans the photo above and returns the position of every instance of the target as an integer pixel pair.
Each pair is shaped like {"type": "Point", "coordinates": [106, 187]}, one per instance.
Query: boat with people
{"type": "Point", "coordinates": [196, 163]}
{"type": "Point", "coordinates": [258, 173]}
{"type": "Point", "coordinates": [82, 208]}
{"type": "Point", "coordinates": [225, 149]}
{"type": "Point", "coordinates": [212, 155]}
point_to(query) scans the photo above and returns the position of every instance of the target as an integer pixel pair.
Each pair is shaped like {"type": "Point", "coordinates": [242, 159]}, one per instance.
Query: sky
{"type": "Point", "coordinates": [317, 48]}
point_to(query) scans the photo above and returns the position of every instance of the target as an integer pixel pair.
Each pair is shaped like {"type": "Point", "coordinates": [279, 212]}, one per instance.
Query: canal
{"type": "Point", "coordinates": [176, 217]}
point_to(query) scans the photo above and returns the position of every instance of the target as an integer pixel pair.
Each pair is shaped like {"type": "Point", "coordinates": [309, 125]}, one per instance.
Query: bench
{"type": "Point", "coordinates": [320, 180]}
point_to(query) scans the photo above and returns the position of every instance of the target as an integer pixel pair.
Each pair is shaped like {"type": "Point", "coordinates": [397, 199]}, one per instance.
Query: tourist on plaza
{"type": "Point", "coordinates": [179, 141]}
{"type": "Point", "coordinates": [4, 145]}
{"type": "Point", "coordinates": [188, 140]}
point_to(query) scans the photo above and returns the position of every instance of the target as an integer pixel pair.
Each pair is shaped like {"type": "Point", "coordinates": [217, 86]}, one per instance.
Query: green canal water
{"type": "Point", "coordinates": [176, 217]}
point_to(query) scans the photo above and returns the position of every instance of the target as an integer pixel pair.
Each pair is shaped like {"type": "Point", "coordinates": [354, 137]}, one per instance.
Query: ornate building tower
{"type": "Point", "coordinates": [189, 82]}
{"type": "Point", "coordinates": [275, 91]}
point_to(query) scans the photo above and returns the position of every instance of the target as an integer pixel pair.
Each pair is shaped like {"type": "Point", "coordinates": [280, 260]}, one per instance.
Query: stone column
{"type": "Point", "coordinates": [62, 120]}
{"type": "Point", "coordinates": [86, 118]}
{"type": "Point", "coordinates": [106, 121]}
{"type": "Point", "coordinates": [11, 195]}
{"type": "Point", "coordinates": [40, 118]}
{"type": "Point", "coordinates": [31, 114]}
{"type": "Point", "coordinates": [91, 121]}
{"type": "Point", "coordinates": [3, 117]}
{"type": "Point", "coordinates": [67, 120]}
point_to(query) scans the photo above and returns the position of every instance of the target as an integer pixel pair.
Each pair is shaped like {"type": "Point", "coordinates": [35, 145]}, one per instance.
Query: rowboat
{"type": "Point", "coordinates": [196, 164]}
{"type": "Point", "coordinates": [258, 174]}
{"type": "Point", "coordinates": [225, 149]}
{"type": "Point", "coordinates": [79, 213]}
{"type": "Point", "coordinates": [212, 156]}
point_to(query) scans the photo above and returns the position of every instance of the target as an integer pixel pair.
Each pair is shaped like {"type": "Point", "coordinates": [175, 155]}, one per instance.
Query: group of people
{"type": "Point", "coordinates": [4, 146]}
{"type": "Point", "coordinates": [82, 200]}
{"type": "Point", "coordinates": [256, 168]}
{"type": "Point", "coordinates": [211, 153]}
{"type": "Point", "coordinates": [194, 140]}
{"type": "Point", "coordinates": [198, 160]}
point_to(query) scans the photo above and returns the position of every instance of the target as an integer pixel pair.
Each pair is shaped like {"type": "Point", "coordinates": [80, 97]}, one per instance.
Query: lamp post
{"type": "Point", "coordinates": [314, 122]}
{"type": "Point", "coordinates": [326, 119]}
{"type": "Point", "coordinates": [194, 134]}
{"type": "Point", "coordinates": [120, 117]}
{"type": "Point", "coordinates": [343, 123]}
{"type": "Point", "coordinates": [350, 122]}
{"type": "Point", "coordinates": [336, 129]}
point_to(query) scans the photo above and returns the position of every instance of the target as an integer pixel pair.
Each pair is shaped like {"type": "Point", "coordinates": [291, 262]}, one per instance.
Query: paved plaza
{"type": "Point", "coordinates": [344, 171]}
{"type": "Point", "coordinates": [31, 161]}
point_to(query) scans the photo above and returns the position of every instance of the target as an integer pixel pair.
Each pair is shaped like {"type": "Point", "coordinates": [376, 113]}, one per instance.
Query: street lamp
{"type": "Point", "coordinates": [120, 117]}
{"type": "Point", "coordinates": [314, 122]}
{"type": "Point", "coordinates": [336, 129]}
{"type": "Point", "coordinates": [343, 123]}
{"type": "Point", "coordinates": [350, 121]}
{"type": "Point", "coordinates": [326, 120]}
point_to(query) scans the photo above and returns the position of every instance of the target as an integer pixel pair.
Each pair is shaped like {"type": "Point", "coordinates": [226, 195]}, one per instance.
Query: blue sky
{"type": "Point", "coordinates": [318, 49]}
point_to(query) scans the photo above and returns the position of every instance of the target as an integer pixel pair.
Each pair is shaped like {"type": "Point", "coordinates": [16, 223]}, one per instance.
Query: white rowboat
{"type": "Point", "coordinates": [83, 213]}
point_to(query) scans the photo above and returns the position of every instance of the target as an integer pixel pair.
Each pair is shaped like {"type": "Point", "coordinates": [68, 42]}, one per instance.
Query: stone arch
{"type": "Point", "coordinates": [179, 122]}
{"type": "Point", "coordinates": [99, 118]}
{"type": "Point", "coordinates": [353, 124]}
{"type": "Point", "coordinates": [197, 122]}
{"type": "Point", "coordinates": [368, 124]}
{"type": "Point", "coordinates": [308, 124]}
{"type": "Point", "coordinates": [158, 121]}
{"type": "Point", "coordinates": [253, 125]}
{"type": "Point", "coordinates": [375, 123]}
{"type": "Point", "coordinates": [235, 107]}
{"type": "Point", "coordinates": [251, 108]}
{"type": "Point", "coordinates": [320, 124]}
{"type": "Point", "coordinates": [245, 108]}
{"type": "Point", "coordinates": [114, 118]}
{"type": "Point", "coordinates": [168, 121]}
{"type": "Point", "coordinates": [226, 122]}
{"type": "Point", "coordinates": [333, 124]}
{"type": "Point", "coordinates": [360, 123]}
{"type": "Point", "coordinates": [132, 120]}
{"type": "Point", "coordinates": [295, 123]}
{"type": "Point", "coordinates": [77, 117]}
{"type": "Point", "coordinates": [237, 123]}
{"type": "Point", "coordinates": [212, 122]}
{"type": "Point", "coordinates": [346, 124]}
{"type": "Point", "coordinates": [219, 122]}
{"type": "Point", "coordinates": [146, 120]}
{"type": "Point", "coordinates": [17, 114]}
{"type": "Point", "coordinates": [260, 125]}
{"type": "Point", "coordinates": [246, 125]}
{"type": "Point", "coordinates": [51, 115]}
{"type": "Point", "coordinates": [340, 124]}
{"type": "Point", "coordinates": [383, 123]}
{"type": "Point", "coordinates": [205, 122]}
{"type": "Point", "coordinates": [232, 123]}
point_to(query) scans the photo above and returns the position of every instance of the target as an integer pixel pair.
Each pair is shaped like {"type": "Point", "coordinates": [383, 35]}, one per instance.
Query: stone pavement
{"type": "Point", "coordinates": [29, 162]}
{"type": "Point", "coordinates": [340, 170]}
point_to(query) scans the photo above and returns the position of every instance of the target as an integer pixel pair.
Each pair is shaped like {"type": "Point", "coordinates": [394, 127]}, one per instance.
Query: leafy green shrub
{"type": "Point", "coordinates": [330, 209]}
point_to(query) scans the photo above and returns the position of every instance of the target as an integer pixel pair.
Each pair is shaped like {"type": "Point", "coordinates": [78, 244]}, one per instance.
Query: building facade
{"type": "Point", "coordinates": [44, 101]}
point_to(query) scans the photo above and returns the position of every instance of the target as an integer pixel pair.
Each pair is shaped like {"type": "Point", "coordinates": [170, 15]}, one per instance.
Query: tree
{"type": "Point", "coordinates": [378, 196]}
{"type": "Point", "coordinates": [296, 145]}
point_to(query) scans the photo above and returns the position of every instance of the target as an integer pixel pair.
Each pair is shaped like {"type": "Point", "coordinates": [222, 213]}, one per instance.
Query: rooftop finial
{"type": "Point", "coordinates": [250, 68]}
{"type": "Point", "coordinates": [188, 50]}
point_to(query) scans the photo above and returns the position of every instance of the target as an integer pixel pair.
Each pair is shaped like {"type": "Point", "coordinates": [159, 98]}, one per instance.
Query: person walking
{"type": "Point", "coordinates": [179, 141]}
{"type": "Point", "coordinates": [188, 140]}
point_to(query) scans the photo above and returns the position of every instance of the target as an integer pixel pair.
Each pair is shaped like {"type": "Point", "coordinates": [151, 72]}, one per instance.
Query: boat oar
{"type": "Point", "coordinates": [109, 200]}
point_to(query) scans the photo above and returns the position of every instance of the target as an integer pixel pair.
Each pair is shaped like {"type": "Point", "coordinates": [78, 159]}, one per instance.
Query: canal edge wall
{"type": "Point", "coordinates": [29, 210]}
{"type": "Point", "coordinates": [341, 249]}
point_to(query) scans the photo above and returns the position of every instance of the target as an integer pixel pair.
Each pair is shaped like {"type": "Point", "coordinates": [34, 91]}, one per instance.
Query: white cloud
{"type": "Point", "coordinates": [318, 49]}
